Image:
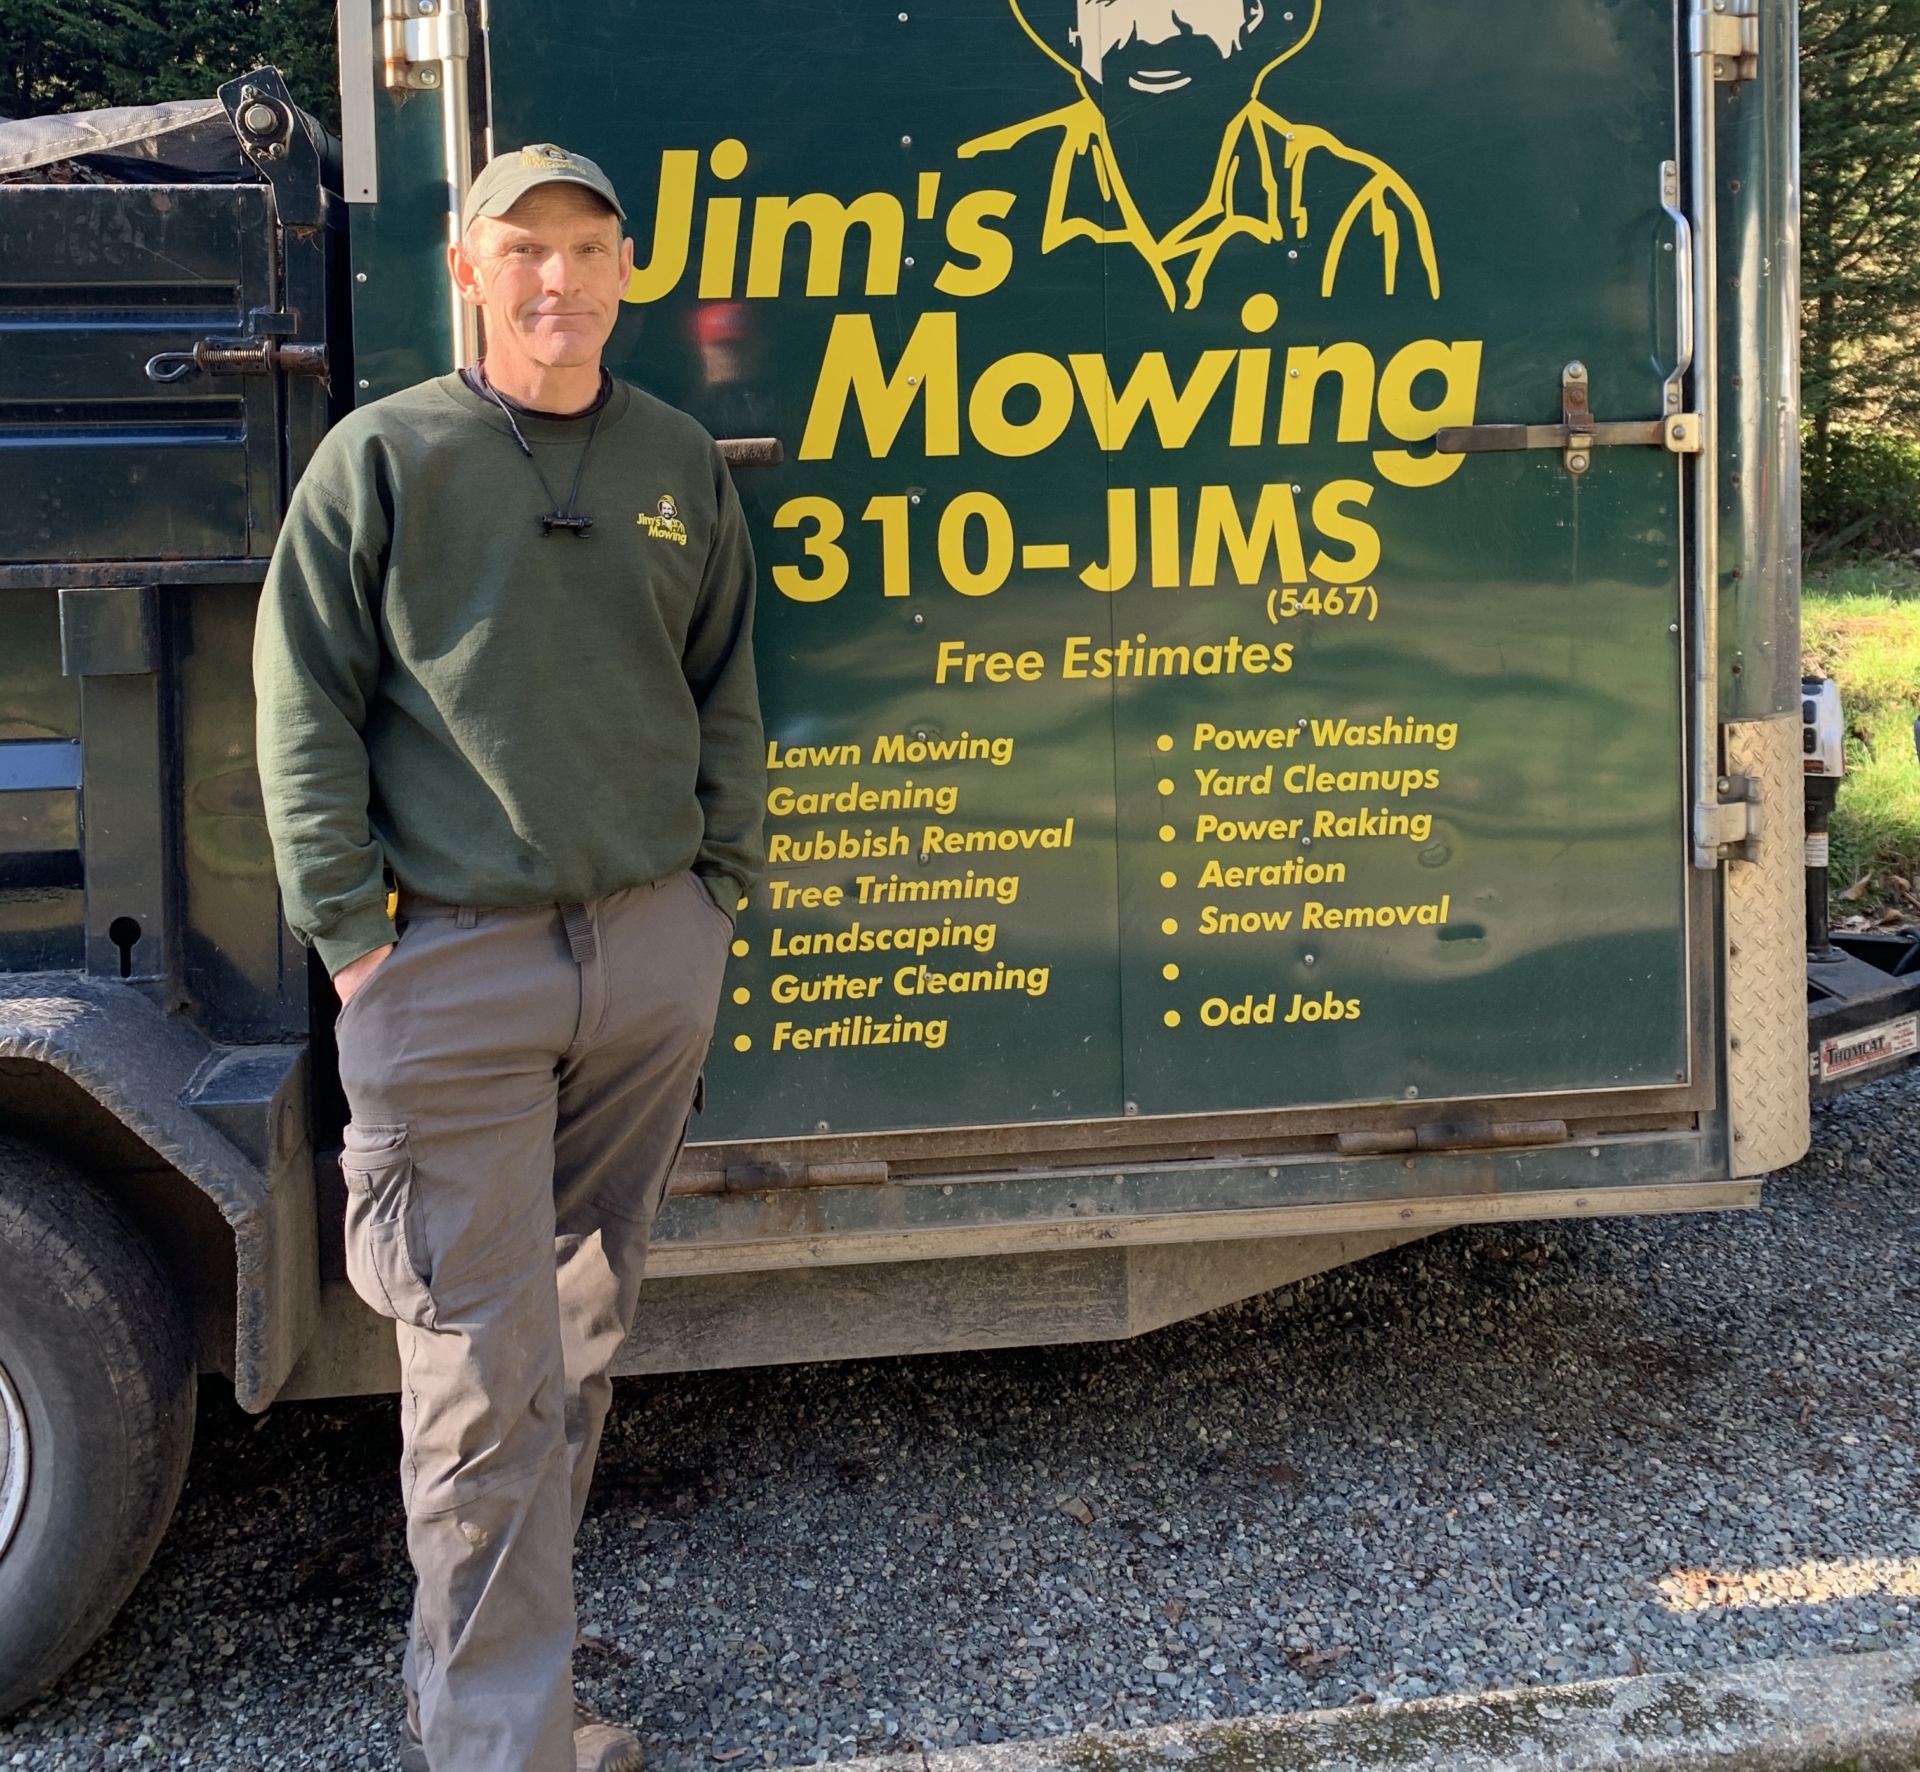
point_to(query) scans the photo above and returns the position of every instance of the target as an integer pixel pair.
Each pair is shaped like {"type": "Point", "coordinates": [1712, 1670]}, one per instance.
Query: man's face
{"type": "Point", "coordinates": [548, 275]}
{"type": "Point", "coordinates": [1162, 45]}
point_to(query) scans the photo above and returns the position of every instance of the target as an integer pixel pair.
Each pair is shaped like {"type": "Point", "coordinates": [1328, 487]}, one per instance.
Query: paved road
{"type": "Point", "coordinates": [1523, 1454]}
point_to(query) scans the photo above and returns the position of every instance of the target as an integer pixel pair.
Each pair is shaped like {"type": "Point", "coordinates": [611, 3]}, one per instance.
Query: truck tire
{"type": "Point", "coordinates": [96, 1415]}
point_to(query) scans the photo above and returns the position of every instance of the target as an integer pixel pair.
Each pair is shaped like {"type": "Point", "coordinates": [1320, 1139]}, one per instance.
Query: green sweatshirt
{"type": "Point", "coordinates": [498, 716]}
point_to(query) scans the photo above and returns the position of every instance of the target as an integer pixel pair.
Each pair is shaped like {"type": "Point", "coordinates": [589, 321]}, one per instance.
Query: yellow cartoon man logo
{"type": "Point", "coordinates": [1170, 77]}
{"type": "Point", "coordinates": [665, 524]}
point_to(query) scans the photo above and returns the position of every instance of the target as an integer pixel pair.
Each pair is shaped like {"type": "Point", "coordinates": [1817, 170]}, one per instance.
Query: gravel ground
{"type": "Point", "coordinates": [1500, 1456]}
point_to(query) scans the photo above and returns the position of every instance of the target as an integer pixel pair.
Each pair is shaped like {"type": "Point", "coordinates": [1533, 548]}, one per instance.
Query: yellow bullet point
{"type": "Point", "coordinates": [742, 905]}
{"type": "Point", "coordinates": [1171, 1018]}
{"type": "Point", "coordinates": [1164, 742]}
{"type": "Point", "coordinates": [1169, 972]}
{"type": "Point", "coordinates": [741, 994]}
{"type": "Point", "coordinates": [1166, 784]}
{"type": "Point", "coordinates": [743, 1042]}
{"type": "Point", "coordinates": [739, 948]}
{"type": "Point", "coordinates": [1169, 880]}
{"type": "Point", "coordinates": [1166, 833]}
{"type": "Point", "coordinates": [1170, 926]}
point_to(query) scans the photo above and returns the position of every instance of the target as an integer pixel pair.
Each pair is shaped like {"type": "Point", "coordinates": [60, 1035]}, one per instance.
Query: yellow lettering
{"type": "Point", "coordinates": [929, 363]}
{"type": "Point", "coordinates": [827, 220]}
{"type": "Point", "coordinates": [1306, 364]}
{"type": "Point", "coordinates": [1123, 544]}
{"type": "Point", "coordinates": [953, 544]}
{"type": "Point", "coordinates": [1274, 523]}
{"type": "Point", "coordinates": [1458, 364]}
{"type": "Point", "coordinates": [1329, 517]}
{"type": "Point", "coordinates": [967, 232]}
{"type": "Point", "coordinates": [822, 544]}
{"type": "Point", "coordinates": [986, 406]}
{"type": "Point", "coordinates": [1175, 416]}
{"type": "Point", "coordinates": [672, 228]}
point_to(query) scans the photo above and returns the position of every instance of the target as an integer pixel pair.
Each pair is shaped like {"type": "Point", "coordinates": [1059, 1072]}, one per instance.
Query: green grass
{"type": "Point", "coordinates": [1860, 623]}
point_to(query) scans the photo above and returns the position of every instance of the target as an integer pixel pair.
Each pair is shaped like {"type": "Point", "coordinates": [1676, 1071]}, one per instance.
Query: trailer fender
{"type": "Point", "coordinates": [231, 1119]}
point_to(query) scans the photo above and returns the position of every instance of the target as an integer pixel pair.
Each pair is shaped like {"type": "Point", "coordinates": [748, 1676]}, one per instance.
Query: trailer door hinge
{"type": "Point", "coordinates": [1730, 829]}
{"type": "Point", "coordinates": [418, 36]}
{"type": "Point", "coordinates": [1729, 32]}
{"type": "Point", "coordinates": [1578, 433]}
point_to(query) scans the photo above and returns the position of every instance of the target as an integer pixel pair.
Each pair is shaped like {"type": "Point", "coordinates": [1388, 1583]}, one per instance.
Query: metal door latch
{"type": "Point", "coordinates": [259, 352]}
{"type": "Point", "coordinates": [1729, 830]}
{"type": "Point", "coordinates": [1578, 433]}
{"type": "Point", "coordinates": [419, 37]}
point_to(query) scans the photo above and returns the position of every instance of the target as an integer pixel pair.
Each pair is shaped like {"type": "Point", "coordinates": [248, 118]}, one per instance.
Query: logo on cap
{"type": "Point", "coordinates": [545, 154]}
{"type": "Point", "coordinates": [667, 525]}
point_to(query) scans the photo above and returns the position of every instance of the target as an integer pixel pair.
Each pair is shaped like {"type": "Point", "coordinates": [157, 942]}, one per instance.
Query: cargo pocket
{"type": "Point", "coordinates": [382, 1262]}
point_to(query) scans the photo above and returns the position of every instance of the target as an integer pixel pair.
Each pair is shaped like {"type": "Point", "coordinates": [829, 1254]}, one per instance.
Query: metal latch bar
{"type": "Point", "coordinates": [237, 356]}
{"type": "Point", "coordinates": [751, 452]}
{"type": "Point", "coordinates": [1578, 433]}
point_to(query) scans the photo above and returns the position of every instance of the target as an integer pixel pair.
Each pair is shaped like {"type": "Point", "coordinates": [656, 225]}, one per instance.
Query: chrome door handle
{"type": "Point", "coordinates": [1672, 397]}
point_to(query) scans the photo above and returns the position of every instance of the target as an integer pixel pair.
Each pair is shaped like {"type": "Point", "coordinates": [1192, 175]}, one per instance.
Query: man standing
{"type": "Point", "coordinates": [504, 658]}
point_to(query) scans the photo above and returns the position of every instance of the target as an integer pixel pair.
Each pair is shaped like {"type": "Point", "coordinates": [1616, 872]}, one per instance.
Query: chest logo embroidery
{"type": "Point", "coordinates": [666, 525]}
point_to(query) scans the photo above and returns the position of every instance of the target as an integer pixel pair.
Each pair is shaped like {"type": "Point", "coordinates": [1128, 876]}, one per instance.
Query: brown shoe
{"type": "Point", "coordinates": [600, 1746]}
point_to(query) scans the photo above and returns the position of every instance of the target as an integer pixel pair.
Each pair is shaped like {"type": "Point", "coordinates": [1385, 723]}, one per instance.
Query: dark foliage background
{"type": "Point", "coordinates": [78, 55]}
{"type": "Point", "coordinates": [1860, 271]}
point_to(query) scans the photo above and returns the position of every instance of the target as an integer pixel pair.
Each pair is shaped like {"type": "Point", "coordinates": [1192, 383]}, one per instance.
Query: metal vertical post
{"type": "Point", "coordinates": [457, 135]}
{"type": "Point", "coordinates": [426, 51]}
{"type": "Point", "coordinates": [1705, 521]}
{"type": "Point", "coordinates": [359, 149]}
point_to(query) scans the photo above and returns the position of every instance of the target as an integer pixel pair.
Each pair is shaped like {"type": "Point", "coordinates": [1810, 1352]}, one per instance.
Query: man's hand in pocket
{"type": "Point", "coordinates": [355, 973]}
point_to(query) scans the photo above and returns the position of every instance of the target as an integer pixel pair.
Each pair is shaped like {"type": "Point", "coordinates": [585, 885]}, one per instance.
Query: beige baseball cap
{"type": "Point", "coordinates": [508, 177]}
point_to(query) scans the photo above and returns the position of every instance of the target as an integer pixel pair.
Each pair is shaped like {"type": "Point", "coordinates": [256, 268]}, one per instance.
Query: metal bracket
{"type": "Point", "coordinates": [1728, 830]}
{"type": "Point", "coordinates": [273, 135]}
{"type": "Point", "coordinates": [1576, 416]}
{"type": "Point", "coordinates": [264, 123]}
{"type": "Point", "coordinates": [1728, 31]}
{"type": "Point", "coordinates": [418, 38]}
{"type": "Point", "coordinates": [1578, 434]}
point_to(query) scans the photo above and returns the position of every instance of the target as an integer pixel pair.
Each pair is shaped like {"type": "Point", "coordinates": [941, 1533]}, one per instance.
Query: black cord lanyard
{"type": "Point", "coordinates": [557, 519]}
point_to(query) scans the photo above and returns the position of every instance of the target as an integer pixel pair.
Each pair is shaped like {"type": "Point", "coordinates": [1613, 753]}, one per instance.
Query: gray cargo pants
{"type": "Point", "coordinates": [520, 1082]}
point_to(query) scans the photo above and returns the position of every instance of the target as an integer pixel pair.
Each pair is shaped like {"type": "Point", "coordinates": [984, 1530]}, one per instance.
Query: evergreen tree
{"type": "Point", "coordinates": [1860, 259]}
{"type": "Point", "coordinates": [77, 55]}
